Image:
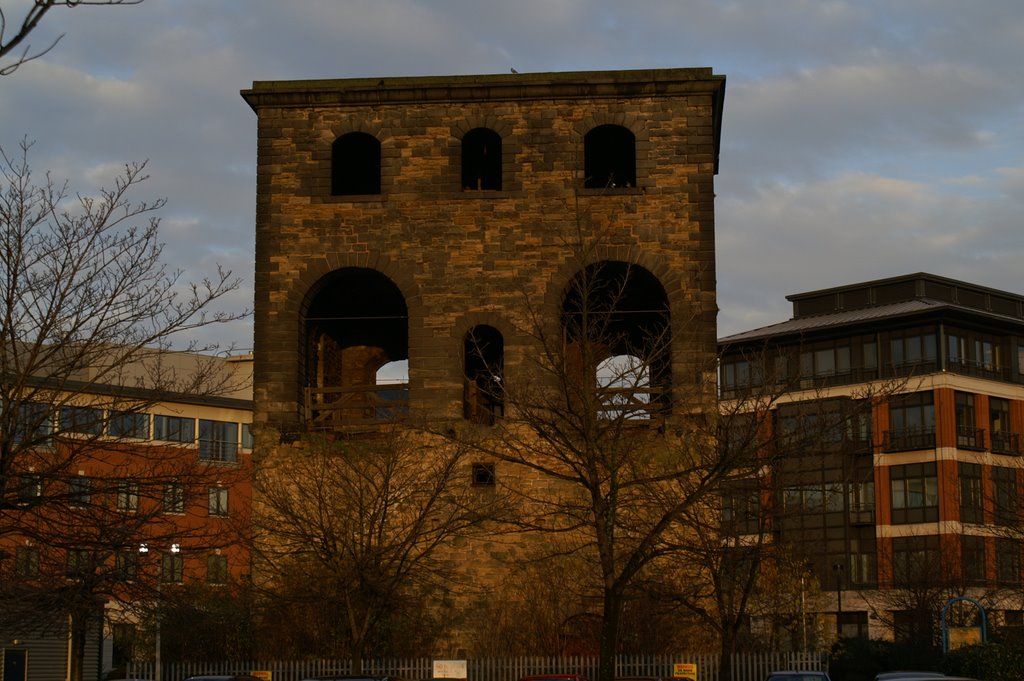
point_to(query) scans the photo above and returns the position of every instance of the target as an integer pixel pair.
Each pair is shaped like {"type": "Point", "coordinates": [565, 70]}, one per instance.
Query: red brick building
{"type": "Point", "coordinates": [922, 501]}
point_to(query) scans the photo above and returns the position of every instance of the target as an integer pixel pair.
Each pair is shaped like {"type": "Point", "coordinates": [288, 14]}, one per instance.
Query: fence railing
{"type": "Point", "coordinates": [745, 667]}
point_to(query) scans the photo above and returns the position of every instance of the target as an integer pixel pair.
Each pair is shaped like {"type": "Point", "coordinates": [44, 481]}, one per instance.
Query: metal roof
{"type": "Point", "coordinates": [822, 322]}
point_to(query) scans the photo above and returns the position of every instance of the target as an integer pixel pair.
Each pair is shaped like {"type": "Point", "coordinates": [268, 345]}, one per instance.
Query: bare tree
{"type": "Point", "coordinates": [609, 417]}
{"type": "Point", "coordinates": [87, 312]}
{"type": "Point", "coordinates": [15, 49]}
{"type": "Point", "coordinates": [363, 524]}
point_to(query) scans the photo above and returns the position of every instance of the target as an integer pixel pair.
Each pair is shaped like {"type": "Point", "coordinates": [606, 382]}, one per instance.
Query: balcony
{"type": "Point", "coordinates": [908, 439]}
{"type": "Point", "coordinates": [968, 437]}
{"type": "Point", "coordinates": [979, 369]}
{"type": "Point", "coordinates": [356, 406]}
{"type": "Point", "coordinates": [1005, 442]}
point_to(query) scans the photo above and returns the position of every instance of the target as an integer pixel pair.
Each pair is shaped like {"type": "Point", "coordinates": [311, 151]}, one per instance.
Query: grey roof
{"type": "Point", "coordinates": [812, 323]}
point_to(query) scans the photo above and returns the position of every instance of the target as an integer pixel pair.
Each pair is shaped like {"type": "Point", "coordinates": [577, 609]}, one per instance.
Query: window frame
{"type": "Point", "coordinates": [911, 481]}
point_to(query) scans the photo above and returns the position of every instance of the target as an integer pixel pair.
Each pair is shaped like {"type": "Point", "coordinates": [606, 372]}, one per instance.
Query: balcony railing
{"type": "Point", "coordinates": [357, 405]}
{"type": "Point", "coordinates": [1004, 442]}
{"type": "Point", "coordinates": [908, 439]}
{"type": "Point", "coordinates": [968, 437]}
{"type": "Point", "coordinates": [979, 369]}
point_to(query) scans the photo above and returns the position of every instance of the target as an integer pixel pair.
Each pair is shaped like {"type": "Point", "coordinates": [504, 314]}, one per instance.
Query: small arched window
{"type": "Point", "coordinates": [609, 153]}
{"type": "Point", "coordinates": [355, 165]}
{"type": "Point", "coordinates": [483, 399]}
{"type": "Point", "coordinates": [481, 159]}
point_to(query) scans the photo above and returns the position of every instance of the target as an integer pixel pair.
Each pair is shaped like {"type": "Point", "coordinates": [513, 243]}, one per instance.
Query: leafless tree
{"type": "Point", "coordinates": [364, 524]}
{"type": "Point", "coordinates": [593, 415]}
{"type": "Point", "coordinates": [87, 312]}
{"type": "Point", "coordinates": [15, 49]}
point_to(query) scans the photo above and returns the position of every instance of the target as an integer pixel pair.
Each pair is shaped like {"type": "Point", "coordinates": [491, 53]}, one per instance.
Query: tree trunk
{"type": "Point", "coordinates": [609, 642]}
{"type": "Point", "coordinates": [78, 625]}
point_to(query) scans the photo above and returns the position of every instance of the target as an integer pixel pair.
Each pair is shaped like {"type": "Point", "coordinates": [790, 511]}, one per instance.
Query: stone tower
{"type": "Point", "coordinates": [399, 219]}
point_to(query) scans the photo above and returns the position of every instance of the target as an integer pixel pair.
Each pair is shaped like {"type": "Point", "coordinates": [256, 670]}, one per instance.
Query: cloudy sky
{"type": "Point", "coordinates": [861, 139]}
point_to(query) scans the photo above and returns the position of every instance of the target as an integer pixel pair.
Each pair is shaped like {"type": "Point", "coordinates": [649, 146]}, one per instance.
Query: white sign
{"type": "Point", "coordinates": [450, 669]}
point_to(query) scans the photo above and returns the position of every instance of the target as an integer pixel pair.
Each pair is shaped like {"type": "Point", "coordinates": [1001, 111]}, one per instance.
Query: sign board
{"type": "Point", "coordinates": [685, 670]}
{"type": "Point", "coordinates": [263, 674]}
{"type": "Point", "coordinates": [964, 636]}
{"type": "Point", "coordinates": [450, 669]}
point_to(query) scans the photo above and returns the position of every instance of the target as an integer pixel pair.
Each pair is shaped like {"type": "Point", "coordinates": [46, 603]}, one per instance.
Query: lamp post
{"type": "Point", "coordinates": [157, 662]}
{"type": "Point", "coordinates": [837, 568]}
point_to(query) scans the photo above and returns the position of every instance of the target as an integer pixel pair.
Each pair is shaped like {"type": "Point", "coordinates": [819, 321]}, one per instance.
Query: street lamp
{"type": "Point", "coordinates": [157, 663]}
{"type": "Point", "coordinates": [837, 568]}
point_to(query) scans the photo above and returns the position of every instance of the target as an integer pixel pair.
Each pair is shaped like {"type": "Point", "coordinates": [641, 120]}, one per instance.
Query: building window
{"type": "Point", "coordinates": [26, 562]}
{"type": "Point", "coordinates": [738, 375]}
{"type": "Point", "coordinates": [127, 496]}
{"type": "Point", "coordinates": [481, 159]}
{"type": "Point", "coordinates": [218, 440]}
{"type": "Point", "coordinates": [1007, 562]}
{"type": "Point", "coordinates": [79, 563]}
{"type": "Point", "coordinates": [174, 497]}
{"type": "Point", "coordinates": [861, 498]}
{"type": "Point", "coordinates": [915, 493]}
{"type": "Point", "coordinates": [126, 565]}
{"type": "Point", "coordinates": [218, 501]}
{"type": "Point", "coordinates": [825, 362]}
{"type": "Point", "coordinates": [216, 569]}
{"type": "Point", "coordinates": [1004, 496]}
{"type": "Point", "coordinates": [912, 422]}
{"type": "Point", "coordinates": [1004, 441]}
{"type": "Point", "coordinates": [913, 353]}
{"type": "Point", "coordinates": [483, 475]}
{"type": "Point", "coordinates": [741, 510]}
{"type": "Point", "coordinates": [174, 429]}
{"type": "Point", "coordinates": [483, 398]}
{"type": "Point", "coordinates": [971, 509]}
{"type": "Point", "coordinates": [30, 488]}
{"type": "Point", "coordinates": [916, 561]}
{"type": "Point", "coordinates": [968, 435]}
{"type": "Point", "coordinates": [247, 437]}
{"type": "Point", "coordinates": [988, 354]}
{"type": "Point", "coordinates": [609, 157]}
{"type": "Point", "coordinates": [972, 553]}
{"type": "Point", "coordinates": [863, 570]}
{"type": "Point", "coordinates": [129, 424]}
{"type": "Point", "coordinates": [355, 165]}
{"type": "Point", "coordinates": [172, 568]}
{"type": "Point", "coordinates": [81, 420]}
{"type": "Point", "coordinates": [34, 425]}
{"type": "Point", "coordinates": [79, 491]}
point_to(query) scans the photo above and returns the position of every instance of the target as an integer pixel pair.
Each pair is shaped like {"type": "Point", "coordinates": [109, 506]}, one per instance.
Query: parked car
{"type": "Point", "coordinates": [918, 676]}
{"type": "Point", "coordinates": [353, 677]}
{"type": "Point", "coordinates": [798, 675]}
{"type": "Point", "coordinates": [223, 677]}
{"type": "Point", "coordinates": [553, 677]}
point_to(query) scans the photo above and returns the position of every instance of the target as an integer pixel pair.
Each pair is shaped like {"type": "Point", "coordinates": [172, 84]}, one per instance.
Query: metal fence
{"type": "Point", "coordinates": [745, 667]}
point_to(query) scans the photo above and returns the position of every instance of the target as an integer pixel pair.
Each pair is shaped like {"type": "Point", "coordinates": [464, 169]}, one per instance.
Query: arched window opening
{"type": "Point", "coordinates": [615, 319]}
{"type": "Point", "coordinates": [624, 388]}
{"type": "Point", "coordinates": [609, 153]}
{"type": "Point", "coordinates": [483, 392]}
{"type": "Point", "coordinates": [355, 165]}
{"type": "Point", "coordinates": [357, 334]}
{"type": "Point", "coordinates": [392, 390]}
{"type": "Point", "coordinates": [481, 159]}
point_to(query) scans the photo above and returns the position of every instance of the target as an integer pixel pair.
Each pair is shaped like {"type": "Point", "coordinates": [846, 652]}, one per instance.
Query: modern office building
{"type": "Point", "coordinates": [911, 497]}
{"type": "Point", "coordinates": [118, 491]}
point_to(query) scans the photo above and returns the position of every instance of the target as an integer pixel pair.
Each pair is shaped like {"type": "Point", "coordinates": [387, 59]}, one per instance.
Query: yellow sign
{"type": "Point", "coordinates": [685, 670]}
{"type": "Point", "coordinates": [265, 675]}
{"type": "Point", "coordinates": [963, 636]}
